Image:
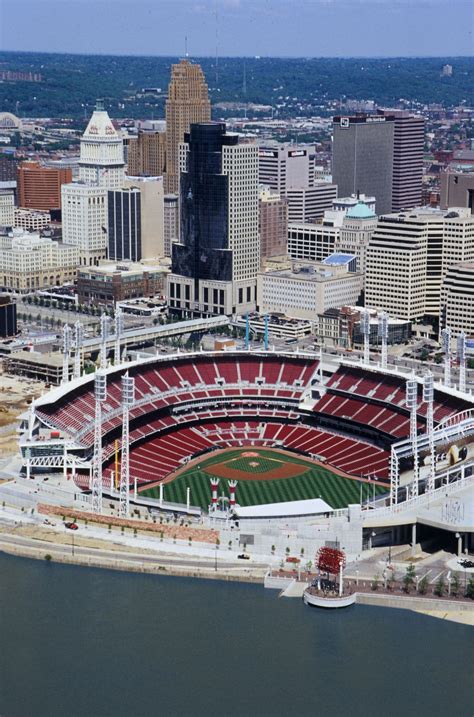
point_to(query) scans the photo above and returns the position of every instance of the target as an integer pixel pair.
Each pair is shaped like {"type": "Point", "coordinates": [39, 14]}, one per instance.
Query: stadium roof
{"type": "Point", "coordinates": [288, 509]}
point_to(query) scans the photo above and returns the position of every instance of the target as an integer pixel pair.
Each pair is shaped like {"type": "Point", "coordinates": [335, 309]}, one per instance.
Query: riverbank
{"type": "Point", "coordinates": [123, 558]}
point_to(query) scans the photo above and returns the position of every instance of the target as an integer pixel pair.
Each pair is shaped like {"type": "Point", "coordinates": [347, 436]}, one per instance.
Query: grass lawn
{"type": "Point", "coordinates": [314, 482]}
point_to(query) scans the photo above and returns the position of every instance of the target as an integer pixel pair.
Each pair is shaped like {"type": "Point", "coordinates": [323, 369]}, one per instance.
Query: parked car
{"type": "Point", "coordinates": [242, 556]}
{"type": "Point", "coordinates": [71, 526]}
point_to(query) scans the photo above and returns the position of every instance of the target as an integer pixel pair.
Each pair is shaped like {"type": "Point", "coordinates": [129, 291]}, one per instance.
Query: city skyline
{"type": "Point", "coordinates": [317, 28]}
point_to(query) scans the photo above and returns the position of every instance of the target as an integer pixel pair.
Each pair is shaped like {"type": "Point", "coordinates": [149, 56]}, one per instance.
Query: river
{"type": "Point", "coordinates": [80, 642]}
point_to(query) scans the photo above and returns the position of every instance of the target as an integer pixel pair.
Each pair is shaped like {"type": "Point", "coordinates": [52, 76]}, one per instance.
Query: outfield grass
{"type": "Point", "coordinates": [316, 482]}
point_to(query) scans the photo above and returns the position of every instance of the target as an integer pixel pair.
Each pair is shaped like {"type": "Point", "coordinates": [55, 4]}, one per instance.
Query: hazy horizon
{"type": "Point", "coordinates": [240, 28]}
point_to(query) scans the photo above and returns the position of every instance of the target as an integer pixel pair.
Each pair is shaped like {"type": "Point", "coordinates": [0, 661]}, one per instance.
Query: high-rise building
{"type": "Point", "coordinates": [457, 188]}
{"type": "Point", "coordinates": [8, 323]}
{"type": "Point", "coordinates": [282, 166]}
{"type": "Point", "coordinates": [215, 263]}
{"type": "Point", "coordinates": [408, 257]}
{"type": "Point", "coordinates": [30, 261]}
{"type": "Point", "coordinates": [151, 214]}
{"type": "Point", "coordinates": [84, 220]}
{"type": "Point", "coordinates": [8, 168]}
{"type": "Point", "coordinates": [32, 220]}
{"type": "Point", "coordinates": [362, 158]}
{"type": "Point", "coordinates": [408, 147]}
{"type": "Point", "coordinates": [289, 169]}
{"type": "Point", "coordinates": [457, 299]}
{"type": "Point", "coordinates": [7, 208]}
{"type": "Point", "coordinates": [124, 224]}
{"type": "Point", "coordinates": [355, 233]}
{"type": "Point", "coordinates": [170, 222]}
{"type": "Point", "coordinates": [102, 160]}
{"type": "Point", "coordinates": [147, 154]}
{"type": "Point", "coordinates": [273, 223]}
{"type": "Point", "coordinates": [188, 103]}
{"type": "Point", "coordinates": [40, 187]}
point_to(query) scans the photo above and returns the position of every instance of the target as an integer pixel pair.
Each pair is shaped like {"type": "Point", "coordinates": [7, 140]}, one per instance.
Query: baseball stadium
{"type": "Point", "coordinates": [283, 425]}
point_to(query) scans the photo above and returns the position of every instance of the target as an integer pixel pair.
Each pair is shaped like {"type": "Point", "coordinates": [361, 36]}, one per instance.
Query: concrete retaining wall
{"type": "Point", "coordinates": [413, 603]}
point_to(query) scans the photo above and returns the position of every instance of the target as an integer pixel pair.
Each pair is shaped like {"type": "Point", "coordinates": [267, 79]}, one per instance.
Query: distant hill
{"type": "Point", "coordinates": [71, 83]}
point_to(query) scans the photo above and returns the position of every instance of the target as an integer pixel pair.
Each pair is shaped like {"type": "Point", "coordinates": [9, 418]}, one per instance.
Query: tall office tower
{"type": "Point", "coordinates": [457, 188]}
{"type": "Point", "coordinates": [147, 154]}
{"type": "Point", "coordinates": [84, 220]}
{"type": "Point", "coordinates": [40, 187]}
{"type": "Point", "coordinates": [457, 299]}
{"type": "Point", "coordinates": [101, 161]}
{"type": "Point", "coordinates": [215, 263]}
{"type": "Point", "coordinates": [362, 157]}
{"type": "Point", "coordinates": [188, 103]}
{"type": "Point", "coordinates": [151, 214]}
{"type": "Point", "coordinates": [283, 166]}
{"type": "Point", "coordinates": [408, 257]}
{"type": "Point", "coordinates": [124, 224]}
{"type": "Point", "coordinates": [356, 231]}
{"type": "Point", "coordinates": [170, 222]}
{"type": "Point", "coordinates": [7, 208]}
{"type": "Point", "coordinates": [408, 147]}
{"type": "Point", "coordinates": [8, 168]}
{"type": "Point", "coordinates": [273, 223]}
{"type": "Point", "coordinates": [290, 170]}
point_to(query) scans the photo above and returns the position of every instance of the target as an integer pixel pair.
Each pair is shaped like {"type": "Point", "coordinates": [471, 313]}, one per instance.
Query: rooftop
{"type": "Point", "coordinates": [360, 211]}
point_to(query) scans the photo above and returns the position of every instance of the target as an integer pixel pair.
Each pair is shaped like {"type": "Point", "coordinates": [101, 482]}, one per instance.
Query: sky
{"type": "Point", "coordinates": [308, 28]}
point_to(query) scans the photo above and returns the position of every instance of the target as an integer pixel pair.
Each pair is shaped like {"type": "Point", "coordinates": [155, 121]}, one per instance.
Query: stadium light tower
{"type": "Point", "coordinates": [462, 361]}
{"type": "Point", "coordinates": [67, 345]}
{"type": "Point", "coordinates": [383, 334]}
{"type": "Point", "coordinates": [100, 394]}
{"type": "Point", "coordinates": [428, 398]}
{"type": "Point", "coordinates": [365, 326]}
{"type": "Point", "coordinates": [265, 334]}
{"type": "Point", "coordinates": [232, 489]}
{"type": "Point", "coordinates": [118, 333]}
{"type": "Point", "coordinates": [446, 341]}
{"type": "Point", "coordinates": [412, 402]}
{"type": "Point", "coordinates": [78, 339]}
{"type": "Point", "coordinates": [214, 486]}
{"type": "Point", "coordinates": [128, 397]}
{"type": "Point", "coordinates": [104, 335]}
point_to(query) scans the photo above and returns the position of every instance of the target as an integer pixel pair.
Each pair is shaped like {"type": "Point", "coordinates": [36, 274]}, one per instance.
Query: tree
{"type": "Point", "coordinates": [470, 588]}
{"type": "Point", "coordinates": [440, 587]}
{"type": "Point", "coordinates": [375, 582]}
{"type": "Point", "coordinates": [409, 578]}
{"type": "Point", "coordinates": [423, 585]}
{"type": "Point", "coordinates": [455, 585]}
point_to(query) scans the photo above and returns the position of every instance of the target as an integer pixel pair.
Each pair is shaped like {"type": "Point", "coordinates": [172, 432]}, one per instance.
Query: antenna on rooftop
{"type": "Point", "coordinates": [217, 44]}
{"type": "Point", "coordinates": [186, 54]}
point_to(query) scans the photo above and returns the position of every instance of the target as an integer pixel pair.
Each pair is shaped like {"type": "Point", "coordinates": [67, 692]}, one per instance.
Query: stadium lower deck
{"type": "Point", "coordinates": [190, 404]}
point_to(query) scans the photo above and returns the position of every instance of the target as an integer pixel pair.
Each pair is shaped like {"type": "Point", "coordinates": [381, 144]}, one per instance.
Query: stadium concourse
{"type": "Point", "coordinates": [186, 405]}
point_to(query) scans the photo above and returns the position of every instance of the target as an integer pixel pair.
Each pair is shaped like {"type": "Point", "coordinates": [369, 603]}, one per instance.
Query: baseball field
{"type": "Point", "coordinates": [264, 476]}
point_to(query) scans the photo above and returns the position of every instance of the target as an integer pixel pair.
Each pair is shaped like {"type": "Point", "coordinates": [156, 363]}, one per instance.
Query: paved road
{"type": "Point", "coordinates": [88, 552]}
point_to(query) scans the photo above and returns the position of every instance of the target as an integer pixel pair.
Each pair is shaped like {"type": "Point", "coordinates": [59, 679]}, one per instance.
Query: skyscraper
{"type": "Point", "coordinates": [188, 103]}
{"type": "Point", "coordinates": [215, 263]}
{"type": "Point", "coordinates": [40, 187]}
{"type": "Point", "coordinates": [124, 224]}
{"type": "Point", "coordinates": [147, 154]}
{"type": "Point", "coordinates": [101, 161]}
{"type": "Point", "coordinates": [362, 157]}
{"type": "Point", "coordinates": [408, 146]}
{"type": "Point", "coordinates": [273, 223]}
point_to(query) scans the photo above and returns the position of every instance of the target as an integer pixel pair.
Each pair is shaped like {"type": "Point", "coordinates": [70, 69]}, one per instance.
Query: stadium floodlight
{"type": "Point", "coordinates": [104, 335]}
{"type": "Point", "coordinates": [383, 335]}
{"type": "Point", "coordinates": [365, 328]}
{"type": "Point", "coordinates": [446, 343]}
{"type": "Point", "coordinates": [128, 397]}
{"type": "Point", "coordinates": [461, 355]}
{"type": "Point", "coordinates": [67, 345]}
{"type": "Point", "coordinates": [78, 341]}
{"type": "Point", "coordinates": [100, 395]}
{"type": "Point", "coordinates": [119, 325]}
{"type": "Point", "coordinates": [412, 404]}
{"type": "Point", "coordinates": [428, 398]}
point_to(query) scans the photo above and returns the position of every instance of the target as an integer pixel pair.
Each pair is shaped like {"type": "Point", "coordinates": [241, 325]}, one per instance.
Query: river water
{"type": "Point", "coordinates": [80, 642]}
